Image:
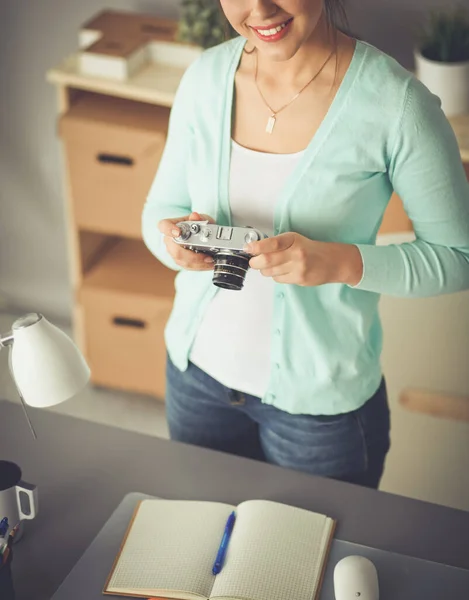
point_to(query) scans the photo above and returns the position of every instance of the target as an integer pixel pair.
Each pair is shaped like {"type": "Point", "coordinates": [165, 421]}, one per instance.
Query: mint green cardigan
{"type": "Point", "coordinates": [384, 131]}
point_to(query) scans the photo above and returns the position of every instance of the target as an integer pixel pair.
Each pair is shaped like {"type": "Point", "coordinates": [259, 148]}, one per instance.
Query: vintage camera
{"type": "Point", "coordinates": [225, 245]}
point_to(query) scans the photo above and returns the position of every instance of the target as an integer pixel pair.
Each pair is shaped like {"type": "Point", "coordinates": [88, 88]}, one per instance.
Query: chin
{"type": "Point", "coordinates": [278, 53]}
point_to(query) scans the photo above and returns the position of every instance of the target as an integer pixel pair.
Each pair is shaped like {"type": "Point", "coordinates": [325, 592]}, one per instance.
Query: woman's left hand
{"type": "Point", "coordinates": [295, 259]}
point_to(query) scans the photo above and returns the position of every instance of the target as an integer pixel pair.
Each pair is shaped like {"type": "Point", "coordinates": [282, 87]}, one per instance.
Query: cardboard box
{"type": "Point", "coordinates": [395, 218]}
{"type": "Point", "coordinates": [113, 147]}
{"type": "Point", "coordinates": [126, 300]}
{"type": "Point", "coordinates": [116, 24]}
{"type": "Point", "coordinates": [119, 45]}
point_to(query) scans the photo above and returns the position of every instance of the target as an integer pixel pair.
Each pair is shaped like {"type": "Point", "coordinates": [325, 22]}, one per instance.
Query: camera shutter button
{"type": "Point", "coordinates": [205, 234]}
{"type": "Point", "coordinates": [252, 236]}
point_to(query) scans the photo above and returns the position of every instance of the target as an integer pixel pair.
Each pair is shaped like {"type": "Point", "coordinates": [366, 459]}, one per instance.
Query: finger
{"type": "Point", "coordinates": [195, 216]}
{"type": "Point", "coordinates": [167, 226]}
{"type": "Point", "coordinates": [177, 251]}
{"type": "Point", "coordinates": [203, 267]}
{"type": "Point", "coordinates": [265, 261]}
{"type": "Point", "coordinates": [281, 271]}
{"type": "Point", "coordinates": [189, 266]}
{"type": "Point", "coordinates": [277, 243]}
{"type": "Point", "coordinates": [187, 258]}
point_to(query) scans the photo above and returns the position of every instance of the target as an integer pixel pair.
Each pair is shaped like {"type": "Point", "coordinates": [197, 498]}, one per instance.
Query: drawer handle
{"type": "Point", "coordinates": [115, 159]}
{"type": "Point", "coordinates": [123, 322]}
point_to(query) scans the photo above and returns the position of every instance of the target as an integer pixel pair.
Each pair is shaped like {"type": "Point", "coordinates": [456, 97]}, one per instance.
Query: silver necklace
{"type": "Point", "coordinates": [273, 113]}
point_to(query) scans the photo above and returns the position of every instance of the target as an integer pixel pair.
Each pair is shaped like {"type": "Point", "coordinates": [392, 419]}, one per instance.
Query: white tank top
{"type": "Point", "coordinates": [233, 341]}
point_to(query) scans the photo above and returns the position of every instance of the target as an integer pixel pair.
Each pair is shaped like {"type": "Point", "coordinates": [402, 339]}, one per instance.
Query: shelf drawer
{"type": "Point", "coordinates": [124, 343]}
{"type": "Point", "coordinates": [125, 302]}
{"type": "Point", "coordinates": [112, 149]}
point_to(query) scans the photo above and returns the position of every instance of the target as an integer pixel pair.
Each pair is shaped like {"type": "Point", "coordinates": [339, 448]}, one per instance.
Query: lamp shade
{"type": "Point", "coordinates": [47, 366]}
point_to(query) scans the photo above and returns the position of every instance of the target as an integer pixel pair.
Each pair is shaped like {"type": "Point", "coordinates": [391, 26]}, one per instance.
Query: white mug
{"type": "Point", "coordinates": [18, 499]}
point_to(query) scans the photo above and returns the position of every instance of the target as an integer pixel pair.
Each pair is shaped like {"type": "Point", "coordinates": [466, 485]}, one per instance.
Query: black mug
{"type": "Point", "coordinates": [18, 499]}
{"type": "Point", "coordinates": [7, 591]}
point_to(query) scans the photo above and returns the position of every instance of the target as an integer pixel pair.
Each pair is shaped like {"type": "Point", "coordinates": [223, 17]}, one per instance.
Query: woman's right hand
{"type": "Point", "coordinates": [187, 259]}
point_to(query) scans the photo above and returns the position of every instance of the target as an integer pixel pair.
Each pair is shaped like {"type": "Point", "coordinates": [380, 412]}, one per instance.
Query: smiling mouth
{"type": "Point", "coordinates": [270, 31]}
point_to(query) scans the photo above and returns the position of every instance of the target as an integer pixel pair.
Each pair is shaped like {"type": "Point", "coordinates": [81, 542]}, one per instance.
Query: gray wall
{"type": "Point", "coordinates": [35, 35]}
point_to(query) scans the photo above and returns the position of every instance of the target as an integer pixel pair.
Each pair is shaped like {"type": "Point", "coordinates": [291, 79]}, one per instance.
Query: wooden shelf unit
{"type": "Point", "coordinates": [113, 135]}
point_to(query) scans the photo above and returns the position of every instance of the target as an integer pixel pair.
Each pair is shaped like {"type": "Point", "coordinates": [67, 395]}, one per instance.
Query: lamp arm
{"type": "Point", "coordinates": [6, 340]}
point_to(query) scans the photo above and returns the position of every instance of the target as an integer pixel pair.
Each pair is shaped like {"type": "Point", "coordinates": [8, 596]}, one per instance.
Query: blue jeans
{"type": "Point", "coordinates": [351, 447]}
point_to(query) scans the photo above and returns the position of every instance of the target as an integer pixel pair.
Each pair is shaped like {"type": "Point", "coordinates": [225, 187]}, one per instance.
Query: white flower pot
{"type": "Point", "coordinates": [449, 81]}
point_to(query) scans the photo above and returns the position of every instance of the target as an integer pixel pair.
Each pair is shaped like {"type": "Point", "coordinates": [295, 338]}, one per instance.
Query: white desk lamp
{"type": "Point", "coordinates": [45, 364]}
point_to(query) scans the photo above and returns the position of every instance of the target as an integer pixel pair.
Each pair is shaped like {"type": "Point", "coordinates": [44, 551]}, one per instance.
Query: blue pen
{"type": "Point", "coordinates": [4, 526]}
{"type": "Point", "coordinates": [217, 567]}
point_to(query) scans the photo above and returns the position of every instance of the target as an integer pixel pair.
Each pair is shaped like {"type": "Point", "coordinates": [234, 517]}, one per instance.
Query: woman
{"type": "Point", "coordinates": [303, 132]}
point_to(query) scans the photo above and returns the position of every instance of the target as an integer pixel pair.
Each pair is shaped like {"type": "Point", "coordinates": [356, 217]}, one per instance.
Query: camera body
{"type": "Point", "coordinates": [225, 244]}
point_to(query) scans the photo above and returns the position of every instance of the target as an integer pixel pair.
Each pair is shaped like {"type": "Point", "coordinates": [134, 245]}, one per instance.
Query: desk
{"type": "Point", "coordinates": [83, 471]}
{"type": "Point", "coordinates": [400, 577]}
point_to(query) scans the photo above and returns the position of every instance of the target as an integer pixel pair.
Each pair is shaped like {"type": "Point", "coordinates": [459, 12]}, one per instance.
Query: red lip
{"type": "Point", "coordinates": [273, 26]}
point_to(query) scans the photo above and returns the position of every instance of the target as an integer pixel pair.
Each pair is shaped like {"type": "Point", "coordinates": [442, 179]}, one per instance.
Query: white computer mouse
{"type": "Point", "coordinates": [356, 578]}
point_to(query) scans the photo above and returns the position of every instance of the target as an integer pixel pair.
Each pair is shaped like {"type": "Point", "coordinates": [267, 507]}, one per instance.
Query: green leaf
{"type": "Point", "coordinates": [445, 37]}
{"type": "Point", "coordinates": [202, 23]}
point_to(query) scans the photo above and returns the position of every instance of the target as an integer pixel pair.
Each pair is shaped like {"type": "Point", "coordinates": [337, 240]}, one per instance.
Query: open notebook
{"type": "Point", "coordinates": [276, 552]}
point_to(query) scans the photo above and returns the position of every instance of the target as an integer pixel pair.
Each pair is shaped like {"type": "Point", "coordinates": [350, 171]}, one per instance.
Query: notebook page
{"type": "Point", "coordinates": [275, 553]}
{"type": "Point", "coordinates": [171, 546]}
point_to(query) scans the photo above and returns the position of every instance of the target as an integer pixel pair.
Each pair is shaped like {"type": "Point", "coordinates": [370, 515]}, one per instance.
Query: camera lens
{"type": "Point", "coordinates": [230, 270]}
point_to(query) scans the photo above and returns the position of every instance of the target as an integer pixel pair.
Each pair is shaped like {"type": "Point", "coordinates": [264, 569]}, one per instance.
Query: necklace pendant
{"type": "Point", "coordinates": [270, 124]}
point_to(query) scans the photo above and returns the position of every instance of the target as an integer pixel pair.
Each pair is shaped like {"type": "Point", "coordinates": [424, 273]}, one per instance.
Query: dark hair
{"type": "Point", "coordinates": [336, 14]}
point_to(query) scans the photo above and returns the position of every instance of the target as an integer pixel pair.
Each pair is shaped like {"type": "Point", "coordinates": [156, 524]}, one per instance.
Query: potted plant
{"type": "Point", "coordinates": [202, 23]}
{"type": "Point", "coordinates": [442, 59]}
